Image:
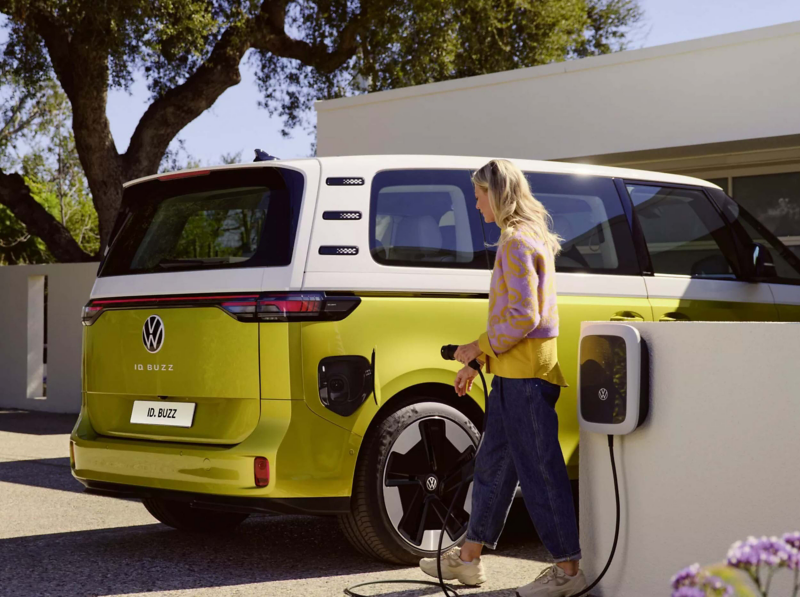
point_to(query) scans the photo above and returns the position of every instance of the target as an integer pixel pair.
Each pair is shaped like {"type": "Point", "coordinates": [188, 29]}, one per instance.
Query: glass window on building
{"type": "Point", "coordinates": [774, 199]}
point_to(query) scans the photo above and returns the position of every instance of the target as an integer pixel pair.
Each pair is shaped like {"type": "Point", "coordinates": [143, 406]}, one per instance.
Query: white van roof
{"type": "Point", "coordinates": [393, 162]}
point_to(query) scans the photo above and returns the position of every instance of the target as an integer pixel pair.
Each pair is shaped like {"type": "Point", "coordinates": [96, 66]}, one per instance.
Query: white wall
{"type": "Point", "coordinates": [716, 460]}
{"type": "Point", "coordinates": [68, 287]}
{"type": "Point", "coordinates": [717, 89]}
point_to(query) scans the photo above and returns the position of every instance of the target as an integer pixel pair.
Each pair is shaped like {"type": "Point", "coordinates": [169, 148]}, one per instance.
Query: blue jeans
{"type": "Point", "coordinates": [520, 444]}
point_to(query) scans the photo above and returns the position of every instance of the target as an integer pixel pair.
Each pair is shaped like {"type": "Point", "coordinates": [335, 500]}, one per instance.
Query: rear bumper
{"type": "Point", "coordinates": [309, 458]}
{"type": "Point", "coordinates": [318, 505]}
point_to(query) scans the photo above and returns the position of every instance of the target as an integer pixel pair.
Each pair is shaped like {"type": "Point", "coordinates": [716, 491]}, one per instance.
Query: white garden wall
{"type": "Point", "coordinates": [22, 335]}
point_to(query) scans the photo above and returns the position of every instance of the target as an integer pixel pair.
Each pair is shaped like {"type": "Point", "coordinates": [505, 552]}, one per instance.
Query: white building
{"type": "Point", "coordinates": [724, 108]}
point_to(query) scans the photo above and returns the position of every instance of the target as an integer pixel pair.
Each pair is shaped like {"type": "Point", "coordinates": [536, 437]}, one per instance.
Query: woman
{"type": "Point", "coordinates": [520, 438]}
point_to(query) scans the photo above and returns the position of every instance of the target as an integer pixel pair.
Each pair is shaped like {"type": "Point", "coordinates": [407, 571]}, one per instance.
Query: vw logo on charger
{"type": "Point", "coordinates": [153, 334]}
{"type": "Point", "coordinates": [603, 394]}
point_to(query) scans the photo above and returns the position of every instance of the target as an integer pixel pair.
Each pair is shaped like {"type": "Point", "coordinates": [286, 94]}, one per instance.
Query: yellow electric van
{"type": "Point", "coordinates": [265, 337]}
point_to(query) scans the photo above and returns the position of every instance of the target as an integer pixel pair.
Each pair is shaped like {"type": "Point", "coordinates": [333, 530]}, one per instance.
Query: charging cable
{"type": "Point", "coordinates": [448, 353]}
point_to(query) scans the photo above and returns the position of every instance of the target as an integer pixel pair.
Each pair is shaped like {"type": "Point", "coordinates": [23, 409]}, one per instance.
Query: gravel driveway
{"type": "Point", "coordinates": [56, 540]}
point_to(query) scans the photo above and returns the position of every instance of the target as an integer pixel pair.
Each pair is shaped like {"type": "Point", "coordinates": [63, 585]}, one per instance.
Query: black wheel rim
{"type": "Point", "coordinates": [423, 476]}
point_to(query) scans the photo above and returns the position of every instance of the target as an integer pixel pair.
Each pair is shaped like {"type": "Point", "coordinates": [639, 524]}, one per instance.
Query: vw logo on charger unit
{"type": "Point", "coordinates": [153, 334]}
{"type": "Point", "coordinates": [603, 394]}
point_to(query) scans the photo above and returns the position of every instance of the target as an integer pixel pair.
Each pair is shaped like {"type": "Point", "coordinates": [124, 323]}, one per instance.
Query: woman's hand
{"type": "Point", "coordinates": [468, 352]}
{"type": "Point", "coordinates": [464, 379]}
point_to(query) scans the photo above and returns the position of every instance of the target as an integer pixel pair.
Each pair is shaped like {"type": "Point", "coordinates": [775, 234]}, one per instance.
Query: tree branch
{"type": "Point", "coordinates": [179, 106]}
{"type": "Point", "coordinates": [16, 196]}
{"type": "Point", "coordinates": [166, 116]}
{"type": "Point", "coordinates": [270, 35]}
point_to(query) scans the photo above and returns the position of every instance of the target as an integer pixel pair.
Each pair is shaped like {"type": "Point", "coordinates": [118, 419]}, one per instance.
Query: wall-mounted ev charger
{"type": "Point", "coordinates": [613, 378]}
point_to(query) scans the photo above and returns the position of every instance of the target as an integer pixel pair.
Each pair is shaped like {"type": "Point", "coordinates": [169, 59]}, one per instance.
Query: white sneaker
{"type": "Point", "coordinates": [554, 582]}
{"type": "Point", "coordinates": [467, 573]}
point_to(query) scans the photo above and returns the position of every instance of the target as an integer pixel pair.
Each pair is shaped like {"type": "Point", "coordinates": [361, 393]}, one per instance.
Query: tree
{"type": "Point", "coordinates": [190, 52]}
{"type": "Point", "coordinates": [27, 116]}
{"type": "Point", "coordinates": [55, 178]}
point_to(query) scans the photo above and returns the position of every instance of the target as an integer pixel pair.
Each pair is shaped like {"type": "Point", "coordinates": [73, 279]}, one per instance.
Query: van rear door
{"type": "Point", "coordinates": [172, 335]}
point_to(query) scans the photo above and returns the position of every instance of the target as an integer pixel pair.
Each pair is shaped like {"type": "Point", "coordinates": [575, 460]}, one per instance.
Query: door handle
{"type": "Point", "coordinates": [627, 316]}
{"type": "Point", "coordinates": [673, 317]}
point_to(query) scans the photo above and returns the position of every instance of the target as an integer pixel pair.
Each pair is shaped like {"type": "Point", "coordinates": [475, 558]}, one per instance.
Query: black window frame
{"type": "Point", "coordinates": [276, 250]}
{"type": "Point", "coordinates": [739, 269]}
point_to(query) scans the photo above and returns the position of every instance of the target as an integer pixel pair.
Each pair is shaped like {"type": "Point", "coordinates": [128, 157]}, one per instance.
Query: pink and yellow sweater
{"type": "Point", "coordinates": [521, 334]}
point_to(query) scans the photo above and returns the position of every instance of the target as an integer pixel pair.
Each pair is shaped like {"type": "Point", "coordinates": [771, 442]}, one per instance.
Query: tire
{"type": "Point", "coordinates": [406, 479]}
{"type": "Point", "coordinates": [181, 516]}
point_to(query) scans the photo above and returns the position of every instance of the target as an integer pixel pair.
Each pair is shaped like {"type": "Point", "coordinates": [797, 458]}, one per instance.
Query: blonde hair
{"type": "Point", "coordinates": [513, 204]}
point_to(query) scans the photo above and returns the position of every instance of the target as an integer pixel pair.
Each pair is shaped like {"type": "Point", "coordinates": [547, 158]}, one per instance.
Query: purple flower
{"type": "Point", "coordinates": [689, 592]}
{"type": "Point", "coordinates": [772, 551]}
{"type": "Point", "coordinates": [792, 539]}
{"type": "Point", "coordinates": [686, 577]}
{"type": "Point", "coordinates": [691, 582]}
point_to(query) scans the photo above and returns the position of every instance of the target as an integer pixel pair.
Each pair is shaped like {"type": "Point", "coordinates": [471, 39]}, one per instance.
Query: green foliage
{"type": "Point", "coordinates": [16, 245]}
{"type": "Point", "coordinates": [55, 178]}
{"type": "Point", "coordinates": [168, 39]}
{"type": "Point", "coordinates": [189, 52]}
{"type": "Point", "coordinates": [30, 113]}
{"type": "Point", "coordinates": [413, 42]}
{"type": "Point", "coordinates": [402, 42]}
{"type": "Point", "coordinates": [27, 113]}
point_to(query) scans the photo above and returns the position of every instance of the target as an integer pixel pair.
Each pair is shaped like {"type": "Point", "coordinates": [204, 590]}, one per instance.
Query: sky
{"type": "Point", "coordinates": [236, 123]}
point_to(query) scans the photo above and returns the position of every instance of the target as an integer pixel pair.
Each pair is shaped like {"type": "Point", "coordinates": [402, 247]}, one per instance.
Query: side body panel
{"type": "Point", "coordinates": [408, 332]}
{"type": "Point", "coordinates": [677, 298]}
{"type": "Point", "coordinates": [787, 300]}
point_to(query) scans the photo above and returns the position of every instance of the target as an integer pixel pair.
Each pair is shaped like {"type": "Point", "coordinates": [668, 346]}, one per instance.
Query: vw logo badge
{"type": "Point", "coordinates": [431, 483]}
{"type": "Point", "coordinates": [153, 334]}
{"type": "Point", "coordinates": [603, 394]}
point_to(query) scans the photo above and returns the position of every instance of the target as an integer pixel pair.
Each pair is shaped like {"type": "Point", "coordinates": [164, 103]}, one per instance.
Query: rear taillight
{"type": "Point", "coordinates": [261, 471]}
{"type": "Point", "coordinates": [290, 306]}
{"type": "Point", "coordinates": [90, 313]}
{"type": "Point", "coordinates": [240, 308]}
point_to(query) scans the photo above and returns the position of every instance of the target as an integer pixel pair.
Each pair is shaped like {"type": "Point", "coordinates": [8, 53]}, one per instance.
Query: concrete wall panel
{"type": "Point", "coordinates": [68, 287]}
{"type": "Point", "coordinates": [717, 89]}
{"type": "Point", "coordinates": [714, 463]}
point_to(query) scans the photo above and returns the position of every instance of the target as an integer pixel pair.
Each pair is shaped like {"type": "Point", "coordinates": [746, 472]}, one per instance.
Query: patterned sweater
{"type": "Point", "coordinates": [521, 333]}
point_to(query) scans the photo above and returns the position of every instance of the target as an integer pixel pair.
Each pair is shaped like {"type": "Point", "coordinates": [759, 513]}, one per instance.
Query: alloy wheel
{"type": "Point", "coordinates": [424, 474]}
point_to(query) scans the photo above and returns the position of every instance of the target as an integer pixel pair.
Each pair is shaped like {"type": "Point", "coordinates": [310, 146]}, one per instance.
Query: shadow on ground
{"type": "Point", "coordinates": [36, 423]}
{"type": "Point", "coordinates": [47, 473]}
{"type": "Point", "coordinates": [155, 558]}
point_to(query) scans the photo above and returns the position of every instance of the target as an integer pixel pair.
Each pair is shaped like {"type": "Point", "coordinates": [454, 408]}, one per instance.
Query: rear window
{"type": "Point", "coordinates": [222, 219]}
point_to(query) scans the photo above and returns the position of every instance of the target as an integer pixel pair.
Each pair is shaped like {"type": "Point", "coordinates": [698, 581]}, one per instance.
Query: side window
{"type": "Point", "coordinates": [787, 263]}
{"type": "Point", "coordinates": [425, 218]}
{"type": "Point", "coordinates": [588, 215]}
{"type": "Point", "coordinates": [684, 233]}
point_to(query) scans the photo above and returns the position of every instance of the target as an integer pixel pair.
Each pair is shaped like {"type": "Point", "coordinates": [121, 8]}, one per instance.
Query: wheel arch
{"type": "Point", "coordinates": [409, 388]}
{"type": "Point", "coordinates": [434, 382]}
